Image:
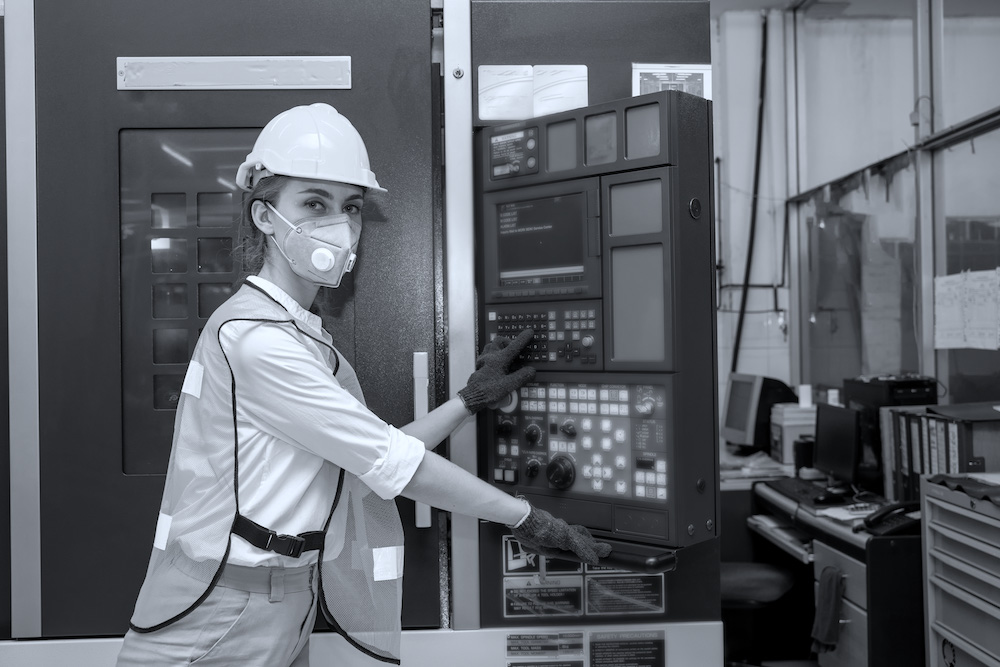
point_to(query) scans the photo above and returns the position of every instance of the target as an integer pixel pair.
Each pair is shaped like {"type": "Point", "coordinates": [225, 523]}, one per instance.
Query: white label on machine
{"type": "Point", "coordinates": [234, 72]}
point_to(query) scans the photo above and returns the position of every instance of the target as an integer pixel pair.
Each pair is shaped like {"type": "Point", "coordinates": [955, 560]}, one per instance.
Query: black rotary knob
{"type": "Point", "coordinates": [533, 433]}
{"type": "Point", "coordinates": [505, 427]}
{"type": "Point", "coordinates": [532, 468]}
{"type": "Point", "coordinates": [560, 472]}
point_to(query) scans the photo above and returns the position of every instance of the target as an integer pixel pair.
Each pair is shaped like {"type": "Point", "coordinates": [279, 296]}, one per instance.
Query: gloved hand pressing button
{"type": "Point", "coordinates": [544, 534]}
{"type": "Point", "coordinates": [493, 379]}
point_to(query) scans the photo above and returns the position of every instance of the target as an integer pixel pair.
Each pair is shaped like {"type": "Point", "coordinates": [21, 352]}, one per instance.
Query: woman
{"type": "Point", "coordinates": [279, 492]}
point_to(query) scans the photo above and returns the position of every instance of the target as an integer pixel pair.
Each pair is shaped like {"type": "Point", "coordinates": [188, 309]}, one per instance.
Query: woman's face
{"type": "Point", "coordinates": [302, 200]}
{"type": "Point", "coordinates": [316, 226]}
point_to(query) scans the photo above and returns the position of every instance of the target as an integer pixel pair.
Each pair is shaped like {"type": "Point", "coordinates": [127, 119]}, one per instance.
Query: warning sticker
{"type": "Point", "coordinates": [628, 649]}
{"type": "Point", "coordinates": [625, 594]}
{"type": "Point", "coordinates": [516, 560]}
{"type": "Point", "coordinates": [555, 596]}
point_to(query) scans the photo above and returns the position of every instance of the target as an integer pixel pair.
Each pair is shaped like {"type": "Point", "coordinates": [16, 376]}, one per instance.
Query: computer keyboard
{"type": "Point", "coordinates": [800, 490]}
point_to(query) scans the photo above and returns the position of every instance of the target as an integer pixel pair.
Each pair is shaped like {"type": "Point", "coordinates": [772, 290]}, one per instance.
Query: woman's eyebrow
{"type": "Point", "coordinates": [317, 191]}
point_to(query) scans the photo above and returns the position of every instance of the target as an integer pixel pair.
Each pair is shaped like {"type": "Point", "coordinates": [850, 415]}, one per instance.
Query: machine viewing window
{"type": "Point", "coordinates": [602, 138]}
{"type": "Point", "coordinates": [179, 209]}
{"type": "Point", "coordinates": [561, 146]}
{"type": "Point", "coordinates": [637, 304]}
{"type": "Point", "coordinates": [642, 131]}
{"type": "Point", "coordinates": [636, 208]}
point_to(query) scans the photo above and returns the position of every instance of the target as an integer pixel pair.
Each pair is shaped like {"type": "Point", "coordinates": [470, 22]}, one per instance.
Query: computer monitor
{"type": "Point", "coordinates": [838, 445]}
{"type": "Point", "coordinates": [746, 416]}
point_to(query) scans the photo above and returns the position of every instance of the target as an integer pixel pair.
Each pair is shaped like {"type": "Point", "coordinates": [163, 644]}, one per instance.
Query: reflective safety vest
{"type": "Point", "coordinates": [360, 541]}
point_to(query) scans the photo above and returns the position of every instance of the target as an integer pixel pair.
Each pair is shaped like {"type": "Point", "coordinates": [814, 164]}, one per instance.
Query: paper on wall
{"type": "Point", "coordinates": [559, 88]}
{"type": "Point", "coordinates": [506, 92]}
{"type": "Point", "coordinates": [967, 310]}
{"type": "Point", "coordinates": [516, 92]}
{"type": "Point", "coordinates": [949, 325]}
{"type": "Point", "coordinates": [979, 309]}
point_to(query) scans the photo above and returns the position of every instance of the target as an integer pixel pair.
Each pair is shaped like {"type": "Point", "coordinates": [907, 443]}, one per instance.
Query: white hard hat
{"type": "Point", "coordinates": [312, 141]}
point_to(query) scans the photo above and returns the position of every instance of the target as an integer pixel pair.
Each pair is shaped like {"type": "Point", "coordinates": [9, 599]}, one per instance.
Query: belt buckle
{"type": "Point", "coordinates": [286, 545]}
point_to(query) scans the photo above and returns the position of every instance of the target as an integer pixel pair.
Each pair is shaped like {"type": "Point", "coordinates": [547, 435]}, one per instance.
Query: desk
{"type": "Point", "coordinates": [882, 608]}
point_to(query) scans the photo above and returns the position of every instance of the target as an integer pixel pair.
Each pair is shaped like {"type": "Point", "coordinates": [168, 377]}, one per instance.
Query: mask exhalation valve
{"type": "Point", "coordinates": [323, 259]}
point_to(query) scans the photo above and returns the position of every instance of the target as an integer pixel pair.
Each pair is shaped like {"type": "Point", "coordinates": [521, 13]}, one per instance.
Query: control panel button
{"type": "Point", "coordinates": [531, 470]}
{"type": "Point", "coordinates": [533, 433]}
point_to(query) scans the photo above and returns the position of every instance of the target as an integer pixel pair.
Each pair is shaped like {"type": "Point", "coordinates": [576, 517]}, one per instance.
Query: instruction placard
{"type": "Point", "coordinates": [628, 649]}
{"type": "Point", "coordinates": [625, 594]}
{"type": "Point", "coordinates": [555, 596]}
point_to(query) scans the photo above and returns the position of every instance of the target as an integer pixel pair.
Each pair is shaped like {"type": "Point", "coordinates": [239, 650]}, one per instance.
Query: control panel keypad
{"type": "Point", "coordinates": [585, 439]}
{"type": "Point", "coordinates": [565, 337]}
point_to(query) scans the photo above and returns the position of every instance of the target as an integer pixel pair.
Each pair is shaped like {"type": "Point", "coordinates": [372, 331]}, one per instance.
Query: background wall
{"type": "Point", "coordinates": [736, 63]}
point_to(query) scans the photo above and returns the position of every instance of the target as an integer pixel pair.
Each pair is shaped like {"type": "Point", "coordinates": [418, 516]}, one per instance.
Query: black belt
{"type": "Point", "coordinates": [268, 540]}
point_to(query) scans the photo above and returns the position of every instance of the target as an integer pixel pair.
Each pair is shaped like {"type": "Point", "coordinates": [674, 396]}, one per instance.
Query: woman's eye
{"type": "Point", "coordinates": [352, 208]}
{"type": "Point", "coordinates": [316, 205]}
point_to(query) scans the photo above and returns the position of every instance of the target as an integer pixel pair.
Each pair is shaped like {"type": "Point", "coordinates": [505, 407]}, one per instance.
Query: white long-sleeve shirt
{"type": "Point", "coordinates": [295, 418]}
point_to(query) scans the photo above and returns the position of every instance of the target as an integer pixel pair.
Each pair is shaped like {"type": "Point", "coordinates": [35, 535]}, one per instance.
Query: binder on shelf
{"type": "Point", "coordinates": [937, 439]}
{"type": "Point", "coordinates": [891, 463]}
{"type": "Point", "coordinates": [973, 436]}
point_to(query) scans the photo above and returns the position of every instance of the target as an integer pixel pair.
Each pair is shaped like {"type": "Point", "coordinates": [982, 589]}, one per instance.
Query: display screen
{"type": "Point", "coordinates": [836, 448]}
{"type": "Point", "coordinates": [738, 406]}
{"type": "Point", "coordinates": [541, 240]}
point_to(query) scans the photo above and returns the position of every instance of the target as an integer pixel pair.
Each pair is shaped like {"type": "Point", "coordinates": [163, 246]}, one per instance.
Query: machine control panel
{"type": "Point", "coordinates": [514, 153]}
{"type": "Point", "coordinates": [569, 335]}
{"type": "Point", "coordinates": [586, 440]}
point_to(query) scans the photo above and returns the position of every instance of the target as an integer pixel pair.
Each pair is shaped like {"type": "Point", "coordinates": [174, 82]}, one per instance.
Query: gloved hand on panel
{"type": "Point", "coordinates": [544, 534]}
{"type": "Point", "coordinates": [493, 378]}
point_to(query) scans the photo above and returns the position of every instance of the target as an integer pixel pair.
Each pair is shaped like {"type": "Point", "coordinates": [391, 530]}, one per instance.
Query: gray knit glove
{"type": "Point", "coordinates": [493, 378]}
{"type": "Point", "coordinates": [544, 534]}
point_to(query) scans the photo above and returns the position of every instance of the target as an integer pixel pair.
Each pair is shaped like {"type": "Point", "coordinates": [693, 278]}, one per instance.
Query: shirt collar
{"type": "Point", "coordinates": [291, 305]}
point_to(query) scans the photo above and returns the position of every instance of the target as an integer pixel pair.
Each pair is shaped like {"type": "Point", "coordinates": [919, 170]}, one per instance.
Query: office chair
{"type": "Point", "coordinates": [747, 589]}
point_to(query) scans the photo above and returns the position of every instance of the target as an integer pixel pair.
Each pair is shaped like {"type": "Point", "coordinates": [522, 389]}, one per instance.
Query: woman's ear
{"type": "Point", "coordinates": [262, 217]}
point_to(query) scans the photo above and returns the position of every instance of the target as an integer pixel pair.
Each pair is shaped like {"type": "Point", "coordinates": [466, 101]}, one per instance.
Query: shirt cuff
{"type": "Point", "coordinates": [391, 473]}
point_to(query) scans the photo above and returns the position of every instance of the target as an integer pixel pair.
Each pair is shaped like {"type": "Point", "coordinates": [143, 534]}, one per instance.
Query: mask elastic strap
{"type": "Point", "coordinates": [294, 229]}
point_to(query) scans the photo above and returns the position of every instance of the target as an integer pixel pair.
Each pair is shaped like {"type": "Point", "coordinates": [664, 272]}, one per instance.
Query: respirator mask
{"type": "Point", "coordinates": [320, 250]}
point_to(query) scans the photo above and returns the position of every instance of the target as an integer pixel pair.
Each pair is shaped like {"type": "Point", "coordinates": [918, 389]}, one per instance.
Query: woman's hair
{"type": "Point", "coordinates": [252, 247]}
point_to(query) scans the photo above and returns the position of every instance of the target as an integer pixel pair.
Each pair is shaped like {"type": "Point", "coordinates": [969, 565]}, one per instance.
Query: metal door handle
{"type": "Point", "coordinates": [421, 511]}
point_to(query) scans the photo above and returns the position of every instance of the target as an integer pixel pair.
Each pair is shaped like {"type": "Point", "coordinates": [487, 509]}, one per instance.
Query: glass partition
{"type": "Point", "coordinates": [969, 87]}
{"type": "Point", "coordinates": [967, 199]}
{"type": "Point", "coordinates": [860, 316]}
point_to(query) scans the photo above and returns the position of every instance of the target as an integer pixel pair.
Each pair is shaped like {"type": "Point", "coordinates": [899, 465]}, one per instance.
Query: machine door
{"type": "Point", "coordinates": [136, 210]}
